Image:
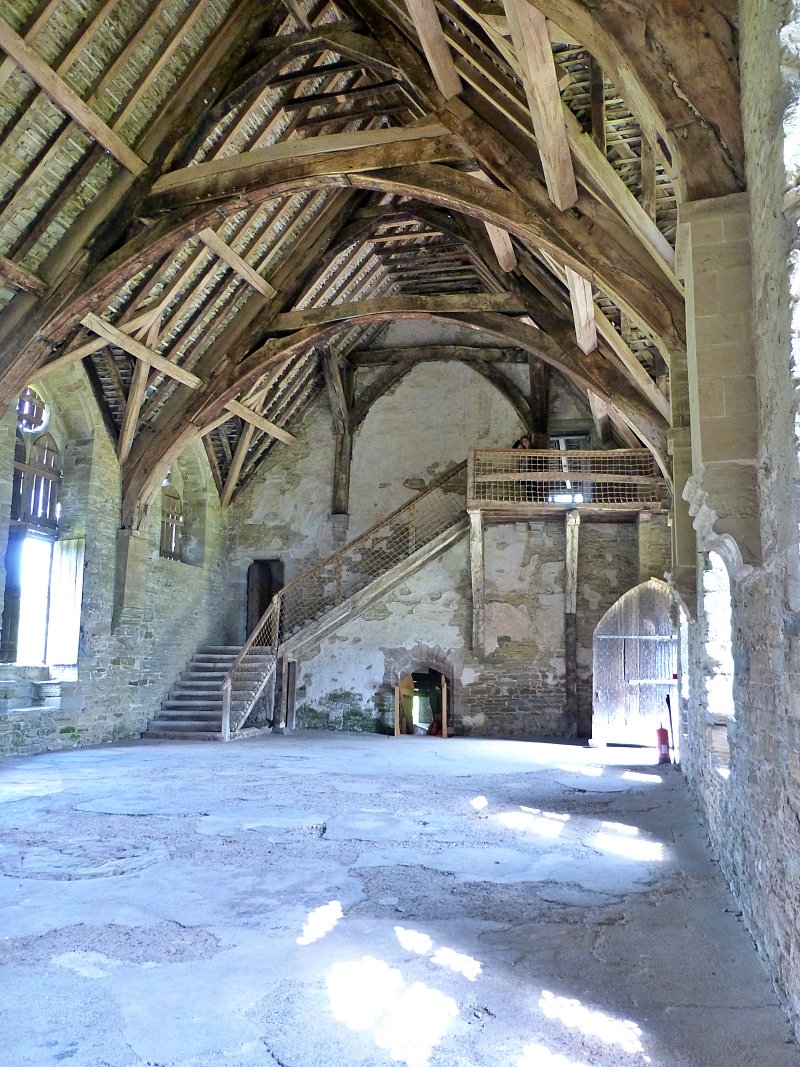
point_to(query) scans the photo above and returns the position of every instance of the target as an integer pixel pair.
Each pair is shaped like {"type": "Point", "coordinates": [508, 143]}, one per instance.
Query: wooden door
{"type": "Point", "coordinates": [264, 580]}
{"type": "Point", "coordinates": [633, 662]}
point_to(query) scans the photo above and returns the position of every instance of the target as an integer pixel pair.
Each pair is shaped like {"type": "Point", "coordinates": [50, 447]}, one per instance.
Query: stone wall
{"type": "Point", "coordinates": [752, 801]}
{"type": "Point", "coordinates": [126, 665]}
{"type": "Point", "coordinates": [517, 689]}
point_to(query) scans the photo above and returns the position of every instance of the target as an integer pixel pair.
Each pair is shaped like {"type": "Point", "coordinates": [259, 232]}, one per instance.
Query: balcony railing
{"type": "Point", "coordinates": [523, 481]}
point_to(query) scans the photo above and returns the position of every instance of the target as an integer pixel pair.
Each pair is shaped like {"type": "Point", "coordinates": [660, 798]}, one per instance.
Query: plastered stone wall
{"type": "Point", "coordinates": [752, 804]}
{"type": "Point", "coordinates": [124, 671]}
{"type": "Point", "coordinates": [517, 689]}
{"type": "Point", "coordinates": [411, 435]}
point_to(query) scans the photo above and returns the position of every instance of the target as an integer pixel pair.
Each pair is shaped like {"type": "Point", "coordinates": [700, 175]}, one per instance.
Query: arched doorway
{"type": "Point", "coordinates": [421, 704]}
{"type": "Point", "coordinates": [634, 663]}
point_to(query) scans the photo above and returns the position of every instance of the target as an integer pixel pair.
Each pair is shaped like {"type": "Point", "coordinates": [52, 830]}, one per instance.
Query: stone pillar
{"type": "Point", "coordinates": [133, 555]}
{"type": "Point", "coordinates": [654, 545]}
{"type": "Point", "coordinates": [714, 262]}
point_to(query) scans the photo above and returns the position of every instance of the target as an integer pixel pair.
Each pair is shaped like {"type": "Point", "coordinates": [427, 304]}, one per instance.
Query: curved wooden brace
{"type": "Point", "coordinates": [149, 462]}
{"type": "Point", "coordinates": [634, 284]}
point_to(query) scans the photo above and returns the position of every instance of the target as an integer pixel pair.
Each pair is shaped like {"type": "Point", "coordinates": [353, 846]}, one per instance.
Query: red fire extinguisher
{"type": "Point", "coordinates": [663, 745]}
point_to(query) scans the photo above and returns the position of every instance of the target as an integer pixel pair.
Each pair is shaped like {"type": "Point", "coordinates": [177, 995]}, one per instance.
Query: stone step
{"type": "Point", "coordinates": [171, 704]}
{"type": "Point", "coordinates": [180, 735]}
{"type": "Point", "coordinates": [190, 712]}
{"type": "Point", "coordinates": [224, 650]}
{"type": "Point", "coordinates": [187, 722]}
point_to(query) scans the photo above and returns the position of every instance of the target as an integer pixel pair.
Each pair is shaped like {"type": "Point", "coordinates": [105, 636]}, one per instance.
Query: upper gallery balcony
{"type": "Point", "coordinates": [510, 485]}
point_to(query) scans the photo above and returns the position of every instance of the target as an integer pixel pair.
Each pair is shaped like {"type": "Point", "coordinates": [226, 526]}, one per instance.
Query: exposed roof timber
{"type": "Point", "coordinates": [20, 278]}
{"type": "Point", "coordinates": [213, 241]}
{"type": "Point", "coordinates": [535, 58]}
{"type": "Point", "coordinates": [580, 295]}
{"type": "Point", "coordinates": [599, 246]}
{"type": "Point", "coordinates": [338, 153]}
{"type": "Point", "coordinates": [141, 352]}
{"type": "Point", "coordinates": [66, 98]}
{"type": "Point", "coordinates": [496, 302]}
{"type": "Point", "coordinates": [186, 421]}
{"type": "Point", "coordinates": [426, 22]}
{"type": "Point", "coordinates": [247, 414]}
{"type": "Point", "coordinates": [591, 165]}
{"type": "Point", "coordinates": [376, 357]}
{"type": "Point", "coordinates": [675, 63]}
{"type": "Point", "coordinates": [24, 343]}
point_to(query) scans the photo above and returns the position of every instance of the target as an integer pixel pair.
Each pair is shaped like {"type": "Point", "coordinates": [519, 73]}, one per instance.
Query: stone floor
{"type": "Point", "coordinates": [329, 899]}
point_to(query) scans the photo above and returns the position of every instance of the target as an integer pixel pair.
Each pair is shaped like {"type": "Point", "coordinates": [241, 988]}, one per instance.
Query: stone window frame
{"type": "Point", "coordinates": [171, 540]}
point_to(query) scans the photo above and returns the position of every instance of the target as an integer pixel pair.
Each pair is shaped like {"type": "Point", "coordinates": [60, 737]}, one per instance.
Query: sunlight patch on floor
{"type": "Point", "coordinates": [320, 922]}
{"type": "Point", "coordinates": [621, 1032]}
{"type": "Point", "coordinates": [407, 1021]}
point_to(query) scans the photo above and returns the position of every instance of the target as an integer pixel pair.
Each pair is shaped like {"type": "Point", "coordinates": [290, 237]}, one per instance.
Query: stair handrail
{"type": "Point", "coordinates": [274, 627]}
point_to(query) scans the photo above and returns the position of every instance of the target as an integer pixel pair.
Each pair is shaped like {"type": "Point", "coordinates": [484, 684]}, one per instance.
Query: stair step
{"type": "Point", "coordinates": [179, 735]}
{"type": "Point", "coordinates": [186, 725]}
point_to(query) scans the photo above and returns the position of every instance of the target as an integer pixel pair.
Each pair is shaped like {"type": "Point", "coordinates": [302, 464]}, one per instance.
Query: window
{"type": "Point", "coordinates": [171, 523]}
{"type": "Point", "coordinates": [44, 575]}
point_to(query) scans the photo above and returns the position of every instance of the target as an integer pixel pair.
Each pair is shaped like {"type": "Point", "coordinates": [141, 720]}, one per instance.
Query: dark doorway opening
{"type": "Point", "coordinates": [264, 580]}
{"type": "Point", "coordinates": [421, 704]}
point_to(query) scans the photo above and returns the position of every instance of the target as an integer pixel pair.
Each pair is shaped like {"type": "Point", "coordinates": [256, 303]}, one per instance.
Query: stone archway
{"type": "Point", "coordinates": [402, 664]}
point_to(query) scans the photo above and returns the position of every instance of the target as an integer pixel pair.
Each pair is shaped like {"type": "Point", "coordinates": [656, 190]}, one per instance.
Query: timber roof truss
{"type": "Point", "coordinates": [218, 206]}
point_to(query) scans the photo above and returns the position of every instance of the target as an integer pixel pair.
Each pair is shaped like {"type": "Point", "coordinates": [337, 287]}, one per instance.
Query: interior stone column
{"type": "Point", "coordinates": [715, 264]}
{"type": "Point", "coordinates": [133, 558]}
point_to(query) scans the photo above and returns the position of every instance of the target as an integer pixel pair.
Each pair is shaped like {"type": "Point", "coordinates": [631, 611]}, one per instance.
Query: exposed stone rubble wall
{"type": "Point", "coordinates": [753, 806]}
{"type": "Point", "coordinates": [124, 671]}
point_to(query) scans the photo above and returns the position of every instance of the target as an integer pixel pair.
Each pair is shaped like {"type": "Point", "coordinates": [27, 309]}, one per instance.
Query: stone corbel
{"type": "Point", "coordinates": [704, 520]}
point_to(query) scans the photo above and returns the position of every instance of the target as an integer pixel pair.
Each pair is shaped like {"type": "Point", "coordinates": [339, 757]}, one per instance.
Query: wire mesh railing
{"type": "Point", "coordinates": [334, 581]}
{"type": "Point", "coordinates": [560, 480]}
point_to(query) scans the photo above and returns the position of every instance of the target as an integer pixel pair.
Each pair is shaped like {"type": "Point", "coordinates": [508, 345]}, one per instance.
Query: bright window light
{"type": "Point", "coordinates": [34, 583]}
{"type": "Point", "coordinates": [539, 1056]}
{"type": "Point", "coordinates": [458, 962]}
{"type": "Point", "coordinates": [621, 828]}
{"type": "Point", "coordinates": [479, 803]}
{"type": "Point", "coordinates": [639, 776]}
{"type": "Point", "coordinates": [530, 823]}
{"type": "Point", "coordinates": [574, 768]}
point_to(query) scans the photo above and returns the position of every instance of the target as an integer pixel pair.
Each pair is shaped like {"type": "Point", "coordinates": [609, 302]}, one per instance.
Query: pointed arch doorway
{"type": "Point", "coordinates": [634, 666]}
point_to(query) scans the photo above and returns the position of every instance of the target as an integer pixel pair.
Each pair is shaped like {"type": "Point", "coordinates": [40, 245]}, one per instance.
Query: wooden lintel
{"type": "Point", "coordinates": [139, 351]}
{"type": "Point", "coordinates": [66, 98]}
{"type": "Point", "coordinates": [213, 241]}
{"type": "Point", "coordinates": [437, 51]}
{"type": "Point", "coordinates": [534, 53]}
{"type": "Point", "coordinates": [20, 278]}
{"type": "Point", "coordinates": [435, 353]}
{"type": "Point", "coordinates": [248, 415]}
{"type": "Point", "coordinates": [580, 297]}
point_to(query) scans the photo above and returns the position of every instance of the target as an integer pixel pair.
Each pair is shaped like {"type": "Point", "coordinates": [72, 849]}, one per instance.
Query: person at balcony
{"type": "Point", "coordinates": [529, 490]}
